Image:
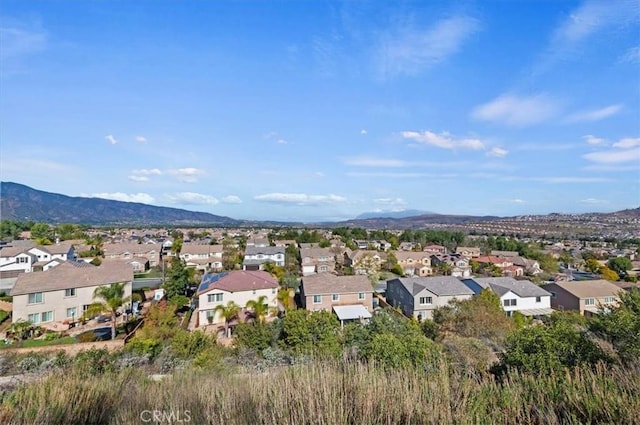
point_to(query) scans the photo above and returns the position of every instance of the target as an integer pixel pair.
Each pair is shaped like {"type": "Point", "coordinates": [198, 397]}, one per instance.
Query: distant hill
{"type": "Point", "coordinates": [413, 222]}
{"type": "Point", "coordinates": [20, 202]}
{"type": "Point", "coordinates": [392, 214]}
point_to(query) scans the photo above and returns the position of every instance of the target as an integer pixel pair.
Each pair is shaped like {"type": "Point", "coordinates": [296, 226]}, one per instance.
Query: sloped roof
{"type": "Point", "coordinates": [266, 250]}
{"type": "Point", "coordinates": [588, 288]}
{"type": "Point", "coordinates": [502, 285]}
{"type": "Point", "coordinates": [237, 281]}
{"type": "Point", "coordinates": [327, 283]}
{"type": "Point", "coordinates": [70, 274]}
{"type": "Point", "coordinates": [438, 285]}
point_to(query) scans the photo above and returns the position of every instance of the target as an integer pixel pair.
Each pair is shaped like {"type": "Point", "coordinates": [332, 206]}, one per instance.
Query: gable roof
{"type": "Point", "coordinates": [266, 250]}
{"type": "Point", "coordinates": [316, 252]}
{"type": "Point", "coordinates": [237, 281]}
{"type": "Point", "coordinates": [502, 285]}
{"type": "Point", "coordinates": [72, 274]}
{"type": "Point", "coordinates": [587, 288]}
{"type": "Point", "coordinates": [438, 285]}
{"type": "Point", "coordinates": [328, 283]}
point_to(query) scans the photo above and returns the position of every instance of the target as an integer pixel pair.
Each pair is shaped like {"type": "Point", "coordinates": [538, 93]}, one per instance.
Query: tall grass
{"type": "Point", "coordinates": [333, 393]}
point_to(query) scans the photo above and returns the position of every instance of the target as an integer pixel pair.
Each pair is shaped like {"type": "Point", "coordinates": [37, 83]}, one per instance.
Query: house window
{"type": "Point", "coordinates": [215, 298]}
{"type": "Point", "coordinates": [609, 300]}
{"type": "Point", "coordinates": [335, 297]}
{"type": "Point", "coordinates": [589, 301]}
{"type": "Point", "coordinates": [47, 316]}
{"type": "Point", "coordinates": [361, 295]}
{"type": "Point", "coordinates": [34, 318]}
{"type": "Point", "coordinates": [273, 291]}
{"type": "Point", "coordinates": [72, 312]}
{"type": "Point", "coordinates": [254, 292]}
{"type": "Point", "coordinates": [510, 303]}
{"type": "Point", "coordinates": [426, 300]}
{"type": "Point", "coordinates": [317, 299]}
{"type": "Point", "coordinates": [553, 294]}
{"type": "Point", "coordinates": [71, 292]}
{"type": "Point", "coordinates": [85, 308]}
{"type": "Point", "coordinates": [538, 299]}
{"type": "Point", "coordinates": [35, 298]}
{"type": "Point", "coordinates": [324, 268]}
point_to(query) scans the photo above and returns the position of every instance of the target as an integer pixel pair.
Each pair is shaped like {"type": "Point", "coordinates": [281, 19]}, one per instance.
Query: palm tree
{"type": "Point", "coordinates": [228, 313]}
{"type": "Point", "coordinates": [445, 268]}
{"type": "Point", "coordinates": [259, 307]}
{"type": "Point", "coordinates": [110, 299]}
{"type": "Point", "coordinates": [285, 299]}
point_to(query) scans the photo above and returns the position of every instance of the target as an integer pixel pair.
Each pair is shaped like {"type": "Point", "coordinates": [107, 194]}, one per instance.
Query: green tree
{"type": "Point", "coordinates": [305, 332]}
{"type": "Point", "coordinates": [620, 265]}
{"type": "Point", "coordinates": [228, 312]}
{"type": "Point", "coordinates": [285, 299]}
{"type": "Point", "coordinates": [608, 274]}
{"type": "Point", "coordinates": [110, 299]}
{"type": "Point", "coordinates": [177, 279]}
{"type": "Point", "coordinates": [176, 246]}
{"type": "Point", "coordinates": [592, 265]}
{"type": "Point", "coordinates": [259, 307]}
{"type": "Point", "coordinates": [256, 336]}
{"type": "Point", "coordinates": [620, 325]}
{"type": "Point", "coordinates": [41, 231]}
{"type": "Point", "coordinates": [541, 349]}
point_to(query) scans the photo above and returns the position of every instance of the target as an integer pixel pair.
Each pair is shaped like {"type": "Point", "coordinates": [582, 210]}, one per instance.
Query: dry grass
{"type": "Point", "coordinates": [332, 394]}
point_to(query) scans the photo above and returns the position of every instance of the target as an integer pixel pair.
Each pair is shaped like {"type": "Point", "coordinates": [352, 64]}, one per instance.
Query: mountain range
{"type": "Point", "coordinates": [23, 203]}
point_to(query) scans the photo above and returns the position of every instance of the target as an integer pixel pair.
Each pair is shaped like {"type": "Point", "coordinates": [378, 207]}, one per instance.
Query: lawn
{"type": "Point", "coordinates": [31, 343]}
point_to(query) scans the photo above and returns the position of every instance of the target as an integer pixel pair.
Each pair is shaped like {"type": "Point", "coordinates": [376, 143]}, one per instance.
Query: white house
{"type": "Point", "coordinates": [256, 256]}
{"type": "Point", "coordinates": [239, 286]}
{"type": "Point", "coordinates": [65, 292]}
{"type": "Point", "coordinates": [515, 295]}
{"type": "Point", "coordinates": [23, 259]}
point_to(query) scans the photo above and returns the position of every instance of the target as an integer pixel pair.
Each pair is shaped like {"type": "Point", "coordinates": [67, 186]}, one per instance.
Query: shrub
{"type": "Point", "coordinates": [187, 345]}
{"type": "Point", "coordinates": [93, 362]}
{"type": "Point", "coordinates": [255, 336]}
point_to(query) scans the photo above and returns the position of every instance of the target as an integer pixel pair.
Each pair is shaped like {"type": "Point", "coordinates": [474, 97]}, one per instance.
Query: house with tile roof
{"type": "Point", "coordinates": [127, 251]}
{"type": "Point", "coordinates": [419, 296]}
{"type": "Point", "coordinates": [584, 296]}
{"type": "Point", "coordinates": [317, 260]}
{"type": "Point", "coordinates": [515, 295]}
{"type": "Point", "coordinates": [239, 286]}
{"type": "Point", "coordinates": [203, 257]}
{"type": "Point", "coordinates": [414, 263]}
{"type": "Point", "coordinates": [65, 292]}
{"type": "Point", "coordinates": [349, 297]}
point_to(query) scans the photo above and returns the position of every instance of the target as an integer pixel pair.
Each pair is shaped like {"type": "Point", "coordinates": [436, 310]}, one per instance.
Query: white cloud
{"type": "Point", "coordinates": [136, 178]}
{"type": "Point", "coordinates": [300, 198]}
{"type": "Point", "coordinates": [518, 201]}
{"type": "Point", "coordinates": [593, 201]}
{"type": "Point", "coordinates": [192, 198]}
{"type": "Point", "coordinates": [363, 131]}
{"type": "Point", "coordinates": [231, 199]}
{"type": "Point", "coordinates": [281, 142]}
{"type": "Point", "coordinates": [516, 110]}
{"type": "Point", "coordinates": [497, 152]}
{"type": "Point", "coordinates": [627, 143]}
{"type": "Point", "coordinates": [632, 55]}
{"type": "Point", "coordinates": [365, 161]}
{"type": "Point", "coordinates": [395, 203]}
{"type": "Point", "coordinates": [443, 140]}
{"type": "Point", "coordinates": [143, 198]}
{"type": "Point", "coordinates": [595, 115]}
{"type": "Point", "coordinates": [613, 156]}
{"type": "Point", "coordinates": [147, 172]}
{"type": "Point", "coordinates": [186, 175]}
{"type": "Point", "coordinates": [553, 180]}
{"type": "Point", "coordinates": [318, 174]}
{"type": "Point", "coordinates": [141, 139]}
{"type": "Point", "coordinates": [408, 51]}
{"type": "Point", "coordinates": [434, 176]}
{"type": "Point", "coordinates": [593, 16]}
{"type": "Point", "coordinates": [111, 139]}
{"type": "Point", "coordinates": [593, 140]}
{"type": "Point", "coordinates": [17, 42]}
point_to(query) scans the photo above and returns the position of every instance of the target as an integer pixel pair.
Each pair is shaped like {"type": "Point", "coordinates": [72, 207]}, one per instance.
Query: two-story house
{"type": "Point", "coordinates": [419, 296]}
{"type": "Point", "coordinates": [515, 295]}
{"type": "Point", "coordinates": [435, 249]}
{"type": "Point", "coordinates": [128, 251]}
{"type": "Point", "coordinates": [459, 266]}
{"type": "Point", "coordinates": [317, 260]}
{"type": "Point", "coordinates": [584, 296]}
{"type": "Point", "coordinates": [414, 263]}
{"type": "Point", "coordinates": [238, 286]}
{"type": "Point", "coordinates": [65, 292]}
{"type": "Point", "coordinates": [349, 297]}
{"type": "Point", "coordinates": [256, 256]}
{"type": "Point", "coordinates": [202, 257]}
{"type": "Point", "coordinates": [468, 252]}
{"type": "Point", "coordinates": [364, 262]}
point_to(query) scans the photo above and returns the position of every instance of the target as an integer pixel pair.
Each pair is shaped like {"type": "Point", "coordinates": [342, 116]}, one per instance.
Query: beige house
{"type": "Point", "coordinates": [350, 297]}
{"type": "Point", "coordinates": [584, 296]}
{"type": "Point", "coordinates": [202, 257]}
{"type": "Point", "coordinates": [468, 251]}
{"type": "Point", "coordinates": [364, 262]}
{"type": "Point", "coordinates": [63, 293]}
{"type": "Point", "coordinates": [414, 263]}
{"type": "Point", "coordinates": [239, 286]}
{"type": "Point", "coordinates": [127, 251]}
{"type": "Point", "coordinates": [317, 260]}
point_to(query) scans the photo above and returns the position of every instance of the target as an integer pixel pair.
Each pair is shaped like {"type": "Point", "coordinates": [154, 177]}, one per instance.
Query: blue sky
{"type": "Point", "coordinates": [309, 110]}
